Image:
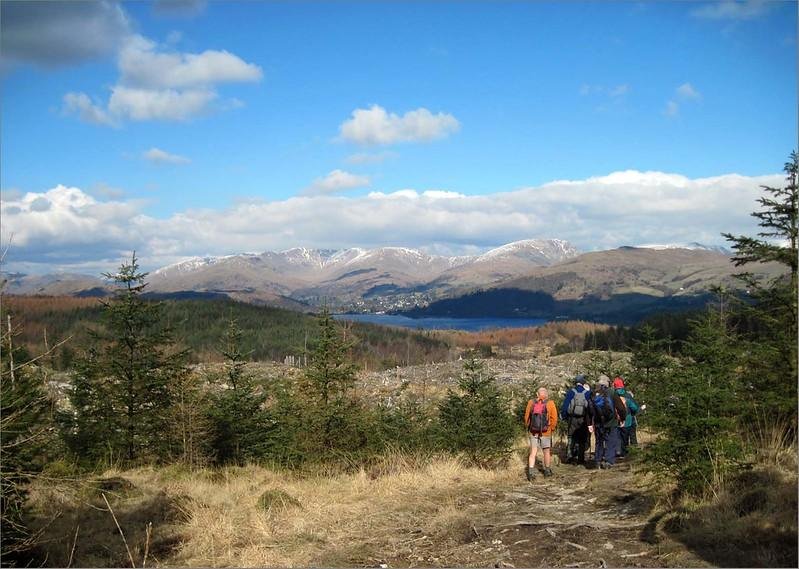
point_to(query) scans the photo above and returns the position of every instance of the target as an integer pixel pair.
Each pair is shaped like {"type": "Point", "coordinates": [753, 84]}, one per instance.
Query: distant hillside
{"type": "Point", "coordinates": [299, 278]}
{"type": "Point", "coordinates": [268, 333]}
{"type": "Point", "coordinates": [396, 279]}
{"type": "Point", "coordinates": [630, 270]}
{"type": "Point", "coordinates": [618, 286]}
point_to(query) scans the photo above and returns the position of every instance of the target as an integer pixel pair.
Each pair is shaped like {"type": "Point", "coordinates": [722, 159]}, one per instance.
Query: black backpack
{"type": "Point", "coordinates": [603, 401]}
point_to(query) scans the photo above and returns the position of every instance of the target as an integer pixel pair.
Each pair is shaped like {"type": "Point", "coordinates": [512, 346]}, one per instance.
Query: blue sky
{"type": "Point", "coordinates": [500, 97]}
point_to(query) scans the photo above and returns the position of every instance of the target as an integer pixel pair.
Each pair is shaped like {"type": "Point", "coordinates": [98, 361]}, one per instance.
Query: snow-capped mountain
{"type": "Point", "coordinates": [693, 246]}
{"type": "Point", "coordinates": [399, 277]}
{"type": "Point", "coordinates": [306, 273]}
{"type": "Point", "coordinates": [548, 251]}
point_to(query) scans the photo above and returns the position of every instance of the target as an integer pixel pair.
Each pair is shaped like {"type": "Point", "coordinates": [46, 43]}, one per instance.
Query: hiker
{"type": "Point", "coordinates": [575, 410]}
{"type": "Point", "coordinates": [540, 416]}
{"type": "Point", "coordinates": [627, 428]}
{"type": "Point", "coordinates": [607, 413]}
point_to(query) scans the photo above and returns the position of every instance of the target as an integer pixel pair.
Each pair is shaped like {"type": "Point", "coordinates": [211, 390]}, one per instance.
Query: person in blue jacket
{"type": "Point", "coordinates": [627, 428]}
{"type": "Point", "coordinates": [575, 412]}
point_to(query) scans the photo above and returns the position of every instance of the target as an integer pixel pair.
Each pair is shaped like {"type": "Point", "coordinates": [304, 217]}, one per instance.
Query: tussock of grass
{"type": "Point", "coordinates": [277, 501]}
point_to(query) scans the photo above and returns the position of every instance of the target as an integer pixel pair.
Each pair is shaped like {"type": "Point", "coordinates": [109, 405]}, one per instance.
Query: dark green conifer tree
{"type": "Point", "coordinates": [239, 425]}
{"type": "Point", "coordinates": [334, 415]}
{"type": "Point", "coordinates": [26, 427]}
{"type": "Point", "coordinates": [698, 406]}
{"type": "Point", "coordinates": [126, 376]}
{"type": "Point", "coordinates": [477, 421]}
{"type": "Point", "coordinates": [771, 343]}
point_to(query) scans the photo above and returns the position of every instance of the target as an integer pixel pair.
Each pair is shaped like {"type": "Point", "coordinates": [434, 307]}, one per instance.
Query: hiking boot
{"type": "Point", "coordinates": [530, 471]}
{"type": "Point", "coordinates": [547, 472]}
{"type": "Point", "coordinates": [606, 466]}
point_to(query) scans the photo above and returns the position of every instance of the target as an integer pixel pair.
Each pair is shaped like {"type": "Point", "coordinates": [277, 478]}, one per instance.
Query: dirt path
{"type": "Point", "coordinates": [577, 518]}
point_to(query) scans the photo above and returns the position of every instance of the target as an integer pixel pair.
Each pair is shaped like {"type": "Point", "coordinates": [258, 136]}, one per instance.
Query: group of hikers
{"type": "Point", "coordinates": [608, 412]}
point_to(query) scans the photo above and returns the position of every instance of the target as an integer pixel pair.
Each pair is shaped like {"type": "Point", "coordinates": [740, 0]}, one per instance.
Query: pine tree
{"type": "Point", "coordinates": [334, 415]}
{"type": "Point", "coordinates": [648, 361]}
{"type": "Point", "coordinates": [127, 380]}
{"type": "Point", "coordinates": [477, 421]}
{"type": "Point", "coordinates": [331, 373]}
{"type": "Point", "coordinates": [772, 315]}
{"type": "Point", "coordinates": [25, 433]}
{"type": "Point", "coordinates": [240, 431]}
{"type": "Point", "coordinates": [86, 427]}
{"type": "Point", "coordinates": [697, 409]}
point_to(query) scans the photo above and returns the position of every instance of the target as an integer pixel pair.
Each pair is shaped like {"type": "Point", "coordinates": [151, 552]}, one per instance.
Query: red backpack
{"type": "Point", "coordinates": [538, 422]}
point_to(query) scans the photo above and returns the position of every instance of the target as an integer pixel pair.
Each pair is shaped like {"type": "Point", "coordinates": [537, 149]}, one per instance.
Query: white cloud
{"type": "Point", "coordinates": [375, 126]}
{"type": "Point", "coordinates": [81, 105]}
{"type": "Point", "coordinates": [672, 109]}
{"type": "Point", "coordinates": [163, 85]}
{"type": "Point", "coordinates": [336, 181]}
{"type": "Point", "coordinates": [164, 104]}
{"type": "Point", "coordinates": [733, 10]}
{"type": "Point", "coordinates": [57, 33]}
{"type": "Point", "coordinates": [142, 65]}
{"type": "Point", "coordinates": [107, 191]}
{"type": "Point", "coordinates": [158, 156]}
{"type": "Point", "coordinates": [622, 208]}
{"type": "Point", "coordinates": [688, 91]}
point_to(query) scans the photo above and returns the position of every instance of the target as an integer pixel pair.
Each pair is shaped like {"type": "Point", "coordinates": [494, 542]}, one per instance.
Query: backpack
{"type": "Point", "coordinates": [604, 406]}
{"type": "Point", "coordinates": [578, 404]}
{"type": "Point", "coordinates": [538, 421]}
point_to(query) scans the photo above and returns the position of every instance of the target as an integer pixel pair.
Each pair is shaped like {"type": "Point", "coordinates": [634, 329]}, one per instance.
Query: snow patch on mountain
{"type": "Point", "coordinates": [551, 250]}
{"type": "Point", "coordinates": [690, 246]}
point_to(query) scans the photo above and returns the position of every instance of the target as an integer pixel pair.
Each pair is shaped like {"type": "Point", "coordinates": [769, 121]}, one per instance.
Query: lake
{"type": "Point", "coordinates": [442, 323]}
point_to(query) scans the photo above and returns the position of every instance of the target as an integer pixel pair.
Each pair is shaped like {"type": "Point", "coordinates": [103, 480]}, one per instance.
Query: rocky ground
{"type": "Point", "coordinates": [576, 518]}
{"type": "Point", "coordinates": [518, 376]}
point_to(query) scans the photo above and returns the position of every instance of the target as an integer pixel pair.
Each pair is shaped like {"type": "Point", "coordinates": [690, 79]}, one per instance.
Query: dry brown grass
{"type": "Point", "coordinates": [409, 511]}
{"type": "Point", "coordinates": [749, 518]}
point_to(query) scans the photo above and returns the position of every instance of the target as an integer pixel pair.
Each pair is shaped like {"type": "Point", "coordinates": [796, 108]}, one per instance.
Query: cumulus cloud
{"type": "Point", "coordinates": [376, 126]}
{"type": "Point", "coordinates": [688, 91]}
{"type": "Point", "coordinates": [685, 93]}
{"type": "Point", "coordinates": [733, 10]}
{"type": "Point", "coordinates": [622, 208]}
{"type": "Point", "coordinates": [156, 84]}
{"type": "Point", "coordinates": [141, 64]}
{"type": "Point", "coordinates": [336, 181]}
{"type": "Point", "coordinates": [158, 156]}
{"type": "Point", "coordinates": [58, 33]}
{"type": "Point", "coordinates": [80, 104]}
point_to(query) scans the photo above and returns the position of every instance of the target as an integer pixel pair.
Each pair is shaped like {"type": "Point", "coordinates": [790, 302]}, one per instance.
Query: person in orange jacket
{"type": "Point", "coordinates": [541, 417]}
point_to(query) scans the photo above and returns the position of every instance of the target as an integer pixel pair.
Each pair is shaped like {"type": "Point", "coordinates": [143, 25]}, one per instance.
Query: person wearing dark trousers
{"type": "Point", "coordinates": [607, 412]}
{"type": "Point", "coordinates": [575, 411]}
{"type": "Point", "coordinates": [627, 427]}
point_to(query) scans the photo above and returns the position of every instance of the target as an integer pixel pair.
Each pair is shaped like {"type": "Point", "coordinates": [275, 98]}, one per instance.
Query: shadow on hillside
{"type": "Point", "coordinates": [98, 542]}
{"type": "Point", "coordinates": [626, 308]}
{"type": "Point", "coordinates": [753, 524]}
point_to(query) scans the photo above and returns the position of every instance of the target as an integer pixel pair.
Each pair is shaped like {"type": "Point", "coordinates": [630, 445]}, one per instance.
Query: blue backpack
{"type": "Point", "coordinates": [604, 407]}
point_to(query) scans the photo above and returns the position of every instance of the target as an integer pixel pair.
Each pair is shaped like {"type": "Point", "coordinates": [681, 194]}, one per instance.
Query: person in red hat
{"type": "Point", "coordinates": [628, 425]}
